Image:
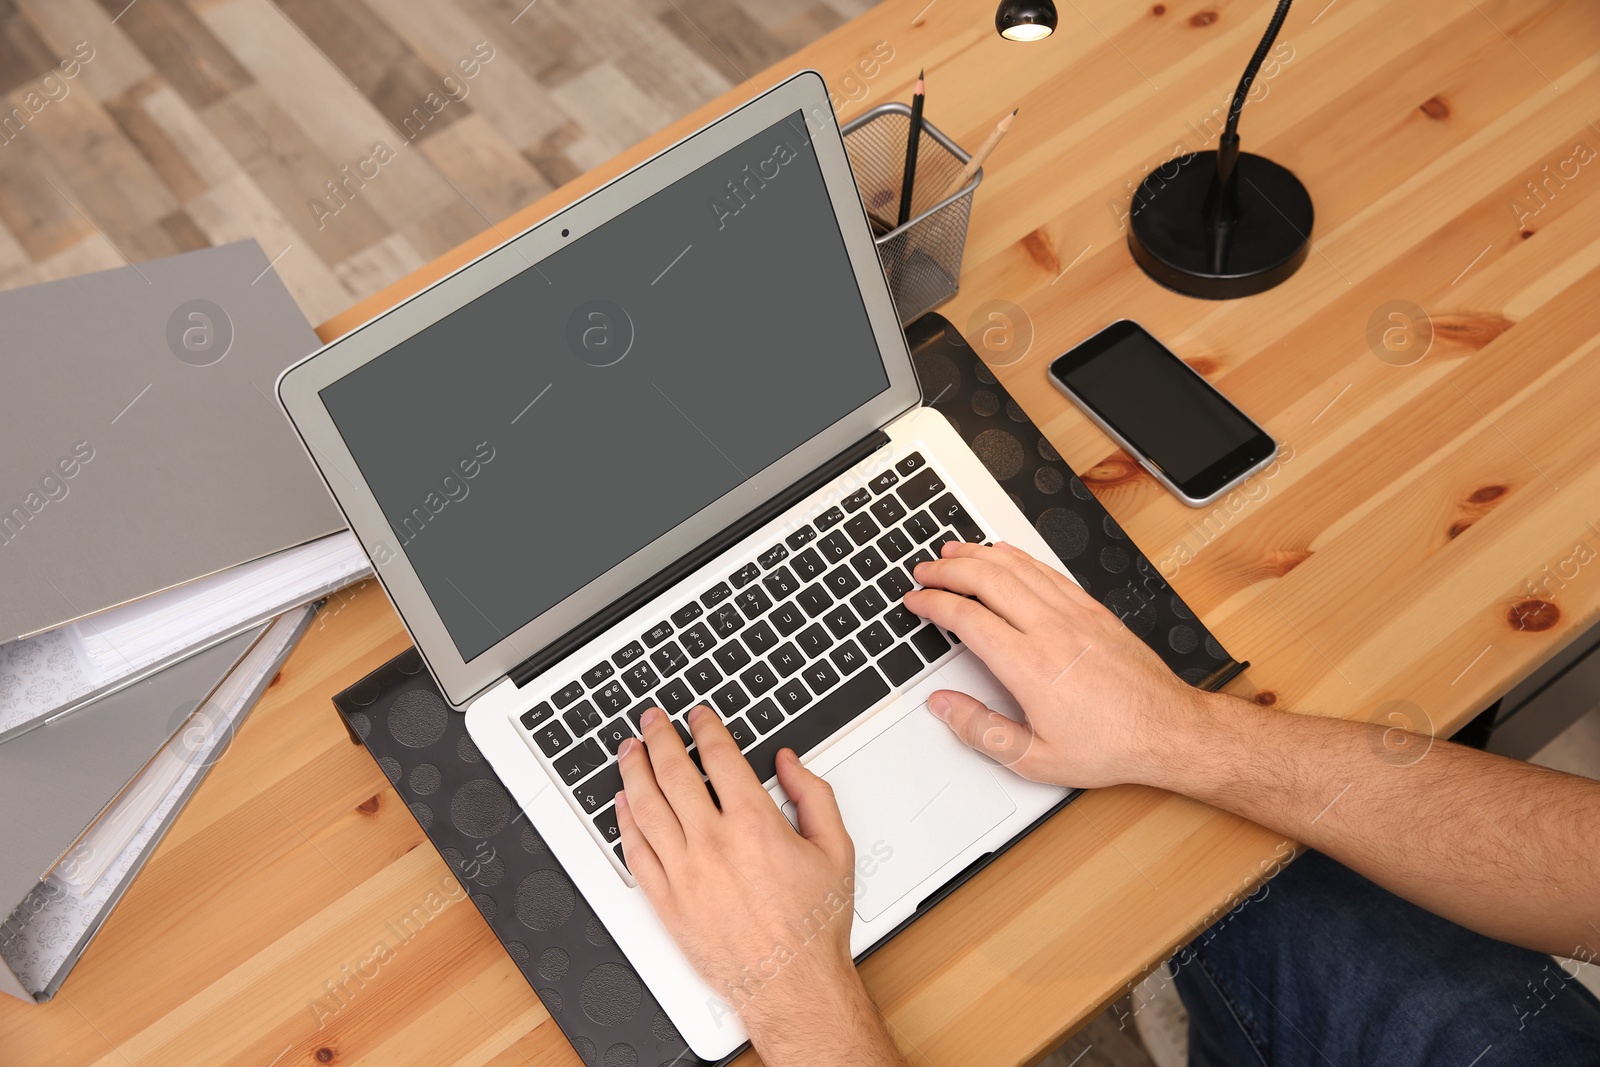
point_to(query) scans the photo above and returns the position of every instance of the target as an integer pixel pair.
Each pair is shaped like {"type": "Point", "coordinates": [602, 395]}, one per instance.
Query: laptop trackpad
{"type": "Point", "coordinates": [913, 799]}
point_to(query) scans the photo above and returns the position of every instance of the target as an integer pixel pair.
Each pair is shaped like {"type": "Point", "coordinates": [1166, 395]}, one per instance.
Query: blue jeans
{"type": "Point", "coordinates": [1328, 969]}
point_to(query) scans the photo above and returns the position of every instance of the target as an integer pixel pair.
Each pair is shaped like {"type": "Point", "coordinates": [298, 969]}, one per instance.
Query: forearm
{"type": "Point", "coordinates": [821, 1022]}
{"type": "Point", "coordinates": [1505, 848]}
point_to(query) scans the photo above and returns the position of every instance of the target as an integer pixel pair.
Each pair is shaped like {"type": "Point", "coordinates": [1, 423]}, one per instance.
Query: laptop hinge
{"type": "Point", "coordinates": [594, 625]}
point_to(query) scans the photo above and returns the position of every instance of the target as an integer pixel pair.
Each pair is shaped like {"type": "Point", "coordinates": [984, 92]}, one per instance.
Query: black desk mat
{"type": "Point", "coordinates": [546, 926]}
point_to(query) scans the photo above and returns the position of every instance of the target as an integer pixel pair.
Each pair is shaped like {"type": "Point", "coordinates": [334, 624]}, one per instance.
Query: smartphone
{"type": "Point", "coordinates": [1190, 437]}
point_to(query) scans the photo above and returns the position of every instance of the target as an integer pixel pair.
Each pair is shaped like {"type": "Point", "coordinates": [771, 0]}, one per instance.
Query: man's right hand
{"type": "Point", "coordinates": [1096, 697]}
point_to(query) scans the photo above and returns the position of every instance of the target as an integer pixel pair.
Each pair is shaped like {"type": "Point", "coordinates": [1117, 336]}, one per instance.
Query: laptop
{"type": "Point", "coordinates": [666, 448]}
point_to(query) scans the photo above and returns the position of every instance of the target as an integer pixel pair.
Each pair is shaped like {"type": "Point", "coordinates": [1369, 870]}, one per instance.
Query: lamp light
{"type": "Point", "coordinates": [1025, 20]}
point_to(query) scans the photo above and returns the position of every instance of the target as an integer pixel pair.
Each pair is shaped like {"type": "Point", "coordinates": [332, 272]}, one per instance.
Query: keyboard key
{"type": "Point", "coordinates": [758, 638]}
{"type": "Point", "coordinates": [813, 640]}
{"type": "Point", "coordinates": [657, 634]}
{"type": "Point", "coordinates": [552, 737]}
{"type": "Point", "coordinates": [875, 638]}
{"type": "Point", "coordinates": [628, 653]}
{"type": "Point", "coordinates": [754, 602]}
{"type": "Point", "coordinates": [841, 620]}
{"type": "Point", "coordinates": [613, 733]}
{"type": "Point", "coordinates": [758, 679]}
{"type": "Point", "coordinates": [686, 614]}
{"type": "Point", "coordinates": [581, 718]}
{"type": "Point", "coordinates": [848, 657]}
{"type": "Point", "coordinates": [567, 694]}
{"type": "Point", "coordinates": [640, 679]}
{"type": "Point", "coordinates": [613, 698]}
{"type": "Point", "coordinates": [930, 642]}
{"type": "Point", "coordinates": [808, 565]}
{"type": "Point", "coordinates": [832, 712]}
{"type": "Point", "coordinates": [781, 582]}
{"type": "Point", "coordinates": [948, 510]}
{"type": "Point", "coordinates": [910, 463]}
{"type": "Point", "coordinates": [921, 555]}
{"type": "Point", "coordinates": [821, 676]}
{"type": "Point", "coordinates": [921, 527]}
{"type": "Point", "coordinates": [786, 659]}
{"type": "Point", "coordinates": [813, 599]}
{"type": "Point", "coordinates": [684, 735]}
{"type": "Point", "coordinates": [888, 511]}
{"type": "Point", "coordinates": [883, 481]}
{"type": "Point", "coordinates": [829, 519]}
{"type": "Point", "coordinates": [702, 676]}
{"type": "Point", "coordinates": [800, 537]}
{"type": "Point", "coordinates": [920, 487]}
{"type": "Point", "coordinates": [901, 664]}
{"type": "Point", "coordinates": [868, 602]}
{"type": "Point", "coordinates": [716, 594]}
{"type": "Point", "coordinates": [606, 823]}
{"type": "Point", "coordinates": [535, 715]}
{"type": "Point", "coordinates": [621, 857]}
{"type": "Point", "coordinates": [772, 557]}
{"type": "Point", "coordinates": [697, 640]}
{"type": "Point", "coordinates": [841, 582]}
{"type": "Point", "coordinates": [868, 563]}
{"type": "Point", "coordinates": [597, 674]}
{"type": "Point", "coordinates": [576, 764]}
{"type": "Point", "coordinates": [901, 621]}
{"type": "Point", "coordinates": [835, 546]}
{"type": "Point", "coordinates": [788, 618]}
{"type": "Point", "coordinates": [675, 696]}
{"type": "Point", "coordinates": [668, 658]}
{"type": "Point", "coordinates": [895, 584]}
{"type": "Point", "coordinates": [743, 736]}
{"type": "Point", "coordinates": [894, 544]}
{"type": "Point", "coordinates": [793, 695]}
{"type": "Point", "coordinates": [939, 542]}
{"type": "Point", "coordinates": [731, 656]}
{"type": "Point", "coordinates": [857, 500]}
{"type": "Point", "coordinates": [636, 714]}
{"type": "Point", "coordinates": [861, 529]}
{"type": "Point", "coordinates": [726, 621]}
{"type": "Point", "coordinates": [745, 575]}
{"type": "Point", "coordinates": [765, 716]}
{"type": "Point", "coordinates": [600, 790]}
{"type": "Point", "coordinates": [730, 700]}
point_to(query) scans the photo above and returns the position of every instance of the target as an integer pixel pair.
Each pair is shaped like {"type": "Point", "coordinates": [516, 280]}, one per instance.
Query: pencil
{"type": "Point", "coordinates": [913, 140]}
{"type": "Point", "coordinates": [979, 156]}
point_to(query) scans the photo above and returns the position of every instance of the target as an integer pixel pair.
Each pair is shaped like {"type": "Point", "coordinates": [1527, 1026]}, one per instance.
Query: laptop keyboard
{"type": "Point", "coordinates": [787, 649]}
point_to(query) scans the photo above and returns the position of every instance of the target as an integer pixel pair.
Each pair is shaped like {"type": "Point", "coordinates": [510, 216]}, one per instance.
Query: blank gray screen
{"type": "Point", "coordinates": [531, 441]}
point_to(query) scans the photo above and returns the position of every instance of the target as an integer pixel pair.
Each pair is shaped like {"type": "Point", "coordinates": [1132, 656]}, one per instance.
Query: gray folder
{"type": "Point", "coordinates": [141, 444]}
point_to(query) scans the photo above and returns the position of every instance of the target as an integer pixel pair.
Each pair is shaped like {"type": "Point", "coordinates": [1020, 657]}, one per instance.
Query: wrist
{"type": "Point", "coordinates": [1190, 746]}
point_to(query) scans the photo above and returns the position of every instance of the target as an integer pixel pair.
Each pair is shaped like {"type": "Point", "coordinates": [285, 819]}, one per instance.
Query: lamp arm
{"type": "Point", "coordinates": [1254, 66]}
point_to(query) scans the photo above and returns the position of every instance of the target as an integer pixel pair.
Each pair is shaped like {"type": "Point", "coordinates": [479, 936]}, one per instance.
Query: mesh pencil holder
{"type": "Point", "coordinates": [921, 259]}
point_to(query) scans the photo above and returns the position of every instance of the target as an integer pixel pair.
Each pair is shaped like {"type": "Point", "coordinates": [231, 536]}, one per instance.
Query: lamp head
{"type": "Point", "coordinates": [1025, 20]}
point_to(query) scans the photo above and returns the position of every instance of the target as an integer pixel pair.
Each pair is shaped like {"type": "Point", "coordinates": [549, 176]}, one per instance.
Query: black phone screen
{"type": "Point", "coordinates": [1166, 411]}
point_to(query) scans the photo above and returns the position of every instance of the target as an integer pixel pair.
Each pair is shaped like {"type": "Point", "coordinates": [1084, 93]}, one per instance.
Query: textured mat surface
{"type": "Point", "coordinates": [546, 926]}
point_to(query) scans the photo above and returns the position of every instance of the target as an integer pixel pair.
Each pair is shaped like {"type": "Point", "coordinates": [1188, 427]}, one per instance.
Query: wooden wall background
{"type": "Point", "coordinates": [202, 122]}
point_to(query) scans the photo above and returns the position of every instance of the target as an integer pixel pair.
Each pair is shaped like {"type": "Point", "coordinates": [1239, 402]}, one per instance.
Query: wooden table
{"type": "Point", "coordinates": [1407, 558]}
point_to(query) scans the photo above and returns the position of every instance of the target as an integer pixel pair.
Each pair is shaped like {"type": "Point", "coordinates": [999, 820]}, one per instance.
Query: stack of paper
{"type": "Point", "coordinates": [164, 541]}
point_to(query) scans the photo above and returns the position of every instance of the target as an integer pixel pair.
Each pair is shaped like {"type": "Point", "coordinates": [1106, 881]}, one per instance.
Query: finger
{"type": "Point", "coordinates": [820, 821]}
{"type": "Point", "coordinates": [650, 808]}
{"type": "Point", "coordinates": [979, 628]}
{"type": "Point", "coordinates": [1002, 739]}
{"type": "Point", "coordinates": [675, 772]}
{"type": "Point", "coordinates": [1028, 571]}
{"type": "Point", "coordinates": [730, 773]}
{"type": "Point", "coordinates": [643, 863]}
{"type": "Point", "coordinates": [1001, 591]}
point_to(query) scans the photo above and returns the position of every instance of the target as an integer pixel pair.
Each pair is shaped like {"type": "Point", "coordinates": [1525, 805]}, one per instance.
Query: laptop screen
{"type": "Point", "coordinates": [529, 442]}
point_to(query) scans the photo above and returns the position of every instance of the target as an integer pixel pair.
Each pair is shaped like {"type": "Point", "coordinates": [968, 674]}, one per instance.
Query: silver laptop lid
{"type": "Point", "coordinates": [534, 436]}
